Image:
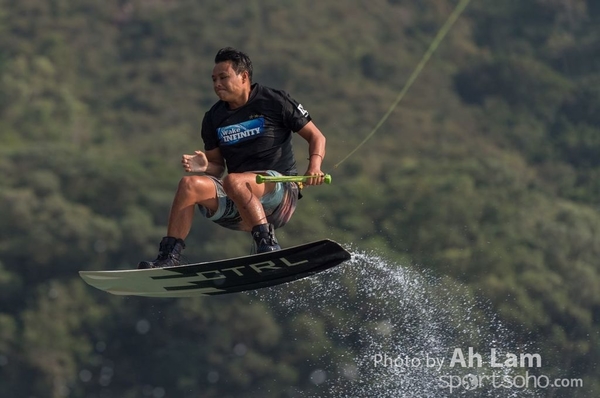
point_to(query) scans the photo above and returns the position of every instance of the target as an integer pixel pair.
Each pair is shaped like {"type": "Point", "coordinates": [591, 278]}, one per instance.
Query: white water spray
{"type": "Point", "coordinates": [406, 334]}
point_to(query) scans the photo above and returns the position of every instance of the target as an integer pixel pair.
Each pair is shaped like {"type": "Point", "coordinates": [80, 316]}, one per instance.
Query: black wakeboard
{"type": "Point", "coordinates": [223, 276]}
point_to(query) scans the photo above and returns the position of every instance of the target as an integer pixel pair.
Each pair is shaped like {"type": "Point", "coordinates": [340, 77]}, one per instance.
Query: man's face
{"type": "Point", "coordinates": [228, 85]}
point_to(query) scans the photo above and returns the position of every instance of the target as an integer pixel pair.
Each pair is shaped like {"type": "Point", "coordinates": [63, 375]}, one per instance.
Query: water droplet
{"type": "Point", "coordinates": [240, 349]}
{"type": "Point", "coordinates": [100, 346]}
{"type": "Point", "coordinates": [212, 377]}
{"type": "Point", "coordinates": [85, 375]}
{"type": "Point", "coordinates": [318, 377]}
{"type": "Point", "coordinates": [142, 326]}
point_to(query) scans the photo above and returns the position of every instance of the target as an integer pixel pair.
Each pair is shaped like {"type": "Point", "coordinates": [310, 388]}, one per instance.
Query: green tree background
{"type": "Point", "coordinates": [487, 175]}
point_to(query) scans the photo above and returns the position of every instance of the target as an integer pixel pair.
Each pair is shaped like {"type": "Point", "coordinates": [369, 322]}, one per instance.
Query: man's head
{"type": "Point", "coordinates": [232, 76]}
{"type": "Point", "coordinates": [240, 62]}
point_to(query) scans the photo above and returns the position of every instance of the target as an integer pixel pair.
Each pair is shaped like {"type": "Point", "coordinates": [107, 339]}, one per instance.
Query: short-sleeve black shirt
{"type": "Point", "coordinates": [257, 135]}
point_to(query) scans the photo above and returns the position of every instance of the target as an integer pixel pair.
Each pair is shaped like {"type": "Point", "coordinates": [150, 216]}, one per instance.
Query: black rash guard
{"type": "Point", "coordinates": [258, 135]}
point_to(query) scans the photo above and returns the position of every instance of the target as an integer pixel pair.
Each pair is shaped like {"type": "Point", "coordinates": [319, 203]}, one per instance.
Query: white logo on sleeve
{"type": "Point", "coordinates": [302, 110]}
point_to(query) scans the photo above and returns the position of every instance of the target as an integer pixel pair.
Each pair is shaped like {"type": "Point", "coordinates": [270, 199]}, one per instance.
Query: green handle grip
{"type": "Point", "coordinates": [261, 178]}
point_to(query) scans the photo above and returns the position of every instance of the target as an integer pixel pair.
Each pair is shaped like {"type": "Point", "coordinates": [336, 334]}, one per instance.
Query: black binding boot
{"type": "Point", "coordinates": [168, 254]}
{"type": "Point", "coordinates": [264, 239]}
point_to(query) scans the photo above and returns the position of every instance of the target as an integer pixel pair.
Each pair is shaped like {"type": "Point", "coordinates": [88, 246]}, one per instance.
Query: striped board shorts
{"type": "Point", "coordinates": [279, 204]}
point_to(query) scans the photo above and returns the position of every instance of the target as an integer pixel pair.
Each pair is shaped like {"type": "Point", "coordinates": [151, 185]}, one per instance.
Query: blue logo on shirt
{"type": "Point", "coordinates": [235, 133]}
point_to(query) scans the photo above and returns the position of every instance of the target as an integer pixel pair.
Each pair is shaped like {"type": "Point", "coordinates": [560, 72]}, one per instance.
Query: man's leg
{"type": "Point", "coordinates": [192, 190]}
{"type": "Point", "coordinates": [243, 190]}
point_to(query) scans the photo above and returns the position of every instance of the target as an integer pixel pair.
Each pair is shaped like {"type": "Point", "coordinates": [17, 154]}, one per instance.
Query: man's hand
{"type": "Point", "coordinates": [318, 177]}
{"type": "Point", "coordinates": [196, 163]}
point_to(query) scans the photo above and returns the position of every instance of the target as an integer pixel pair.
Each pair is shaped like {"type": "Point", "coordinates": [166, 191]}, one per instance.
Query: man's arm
{"type": "Point", "coordinates": [316, 152]}
{"type": "Point", "coordinates": [209, 162]}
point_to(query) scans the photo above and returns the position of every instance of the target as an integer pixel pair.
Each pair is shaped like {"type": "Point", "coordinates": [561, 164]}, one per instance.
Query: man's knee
{"type": "Point", "coordinates": [234, 182]}
{"type": "Point", "coordinates": [196, 186]}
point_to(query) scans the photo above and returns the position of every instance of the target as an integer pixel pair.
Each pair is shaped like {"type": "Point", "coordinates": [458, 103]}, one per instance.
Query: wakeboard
{"type": "Point", "coordinates": [223, 276]}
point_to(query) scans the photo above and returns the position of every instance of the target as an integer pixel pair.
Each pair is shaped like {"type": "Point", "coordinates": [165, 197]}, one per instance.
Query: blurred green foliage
{"type": "Point", "coordinates": [487, 173]}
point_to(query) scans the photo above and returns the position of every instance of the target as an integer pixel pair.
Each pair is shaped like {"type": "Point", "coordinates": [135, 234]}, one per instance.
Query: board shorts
{"type": "Point", "coordinates": [279, 204]}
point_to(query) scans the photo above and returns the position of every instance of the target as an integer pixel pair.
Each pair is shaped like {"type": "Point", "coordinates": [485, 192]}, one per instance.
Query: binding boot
{"type": "Point", "coordinates": [264, 239]}
{"type": "Point", "coordinates": [169, 253]}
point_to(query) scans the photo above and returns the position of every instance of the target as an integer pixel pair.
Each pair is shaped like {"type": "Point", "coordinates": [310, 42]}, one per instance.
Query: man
{"type": "Point", "coordinates": [248, 132]}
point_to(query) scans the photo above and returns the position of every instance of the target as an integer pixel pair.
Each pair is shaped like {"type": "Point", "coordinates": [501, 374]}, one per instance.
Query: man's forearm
{"type": "Point", "coordinates": [316, 152]}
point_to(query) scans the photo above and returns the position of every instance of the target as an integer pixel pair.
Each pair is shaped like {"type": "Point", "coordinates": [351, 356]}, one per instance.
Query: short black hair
{"type": "Point", "coordinates": [240, 62]}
